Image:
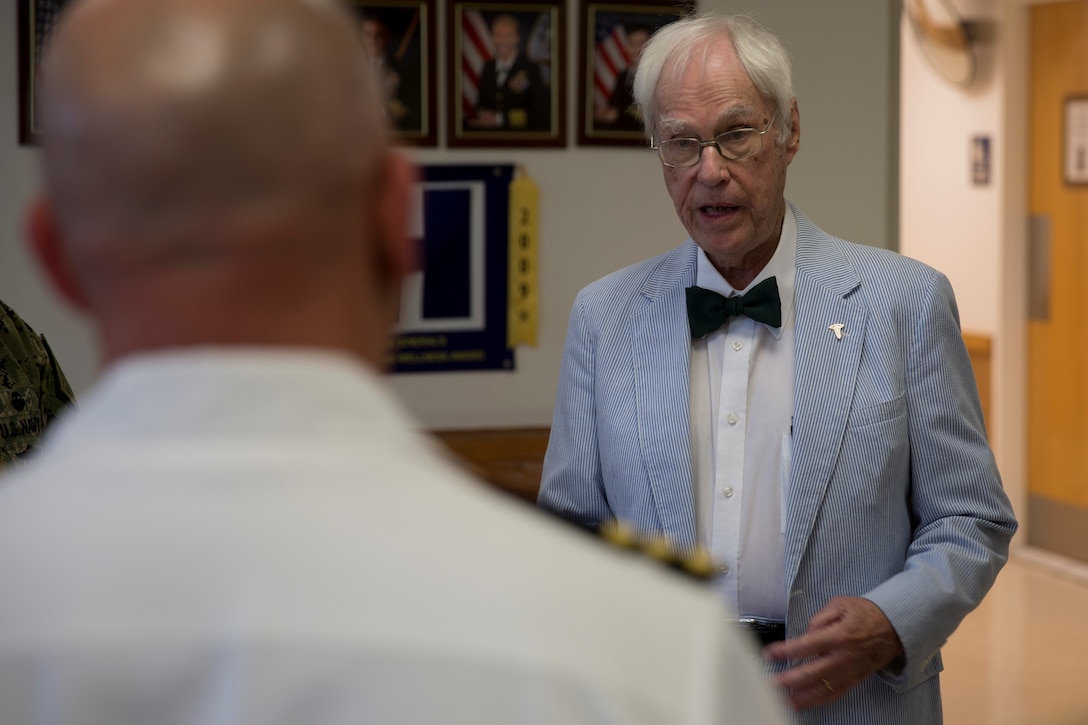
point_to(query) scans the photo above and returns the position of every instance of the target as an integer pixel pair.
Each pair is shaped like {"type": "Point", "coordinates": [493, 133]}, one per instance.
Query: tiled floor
{"type": "Point", "coordinates": [1021, 658]}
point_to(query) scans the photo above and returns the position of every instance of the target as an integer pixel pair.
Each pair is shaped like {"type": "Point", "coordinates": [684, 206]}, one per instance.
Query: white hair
{"type": "Point", "coordinates": [760, 52]}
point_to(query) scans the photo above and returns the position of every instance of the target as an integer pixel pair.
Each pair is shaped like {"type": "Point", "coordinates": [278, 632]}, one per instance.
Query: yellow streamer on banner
{"type": "Point", "coordinates": [524, 229]}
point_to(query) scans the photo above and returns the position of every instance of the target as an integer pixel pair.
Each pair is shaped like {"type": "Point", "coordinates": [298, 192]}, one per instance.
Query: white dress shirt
{"type": "Point", "coordinates": [257, 537]}
{"type": "Point", "coordinates": [502, 69]}
{"type": "Point", "coordinates": [741, 403]}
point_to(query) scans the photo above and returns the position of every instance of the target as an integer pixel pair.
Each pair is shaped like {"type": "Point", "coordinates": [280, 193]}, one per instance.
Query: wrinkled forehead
{"type": "Point", "coordinates": [706, 62]}
{"type": "Point", "coordinates": [709, 79]}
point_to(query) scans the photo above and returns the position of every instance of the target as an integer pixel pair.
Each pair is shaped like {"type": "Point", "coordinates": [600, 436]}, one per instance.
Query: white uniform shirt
{"type": "Point", "coordinates": [741, 404]}
{"type": "Point", "coordinates": [247, 537]}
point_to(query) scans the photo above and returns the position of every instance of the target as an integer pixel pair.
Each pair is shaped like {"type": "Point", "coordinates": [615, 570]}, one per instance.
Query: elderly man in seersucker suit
{"type": "Point", "coordinates": [801, 405]}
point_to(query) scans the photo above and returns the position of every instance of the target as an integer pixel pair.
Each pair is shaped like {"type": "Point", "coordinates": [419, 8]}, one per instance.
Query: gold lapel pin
{"type": "Point", "coordinates": [837, 329]}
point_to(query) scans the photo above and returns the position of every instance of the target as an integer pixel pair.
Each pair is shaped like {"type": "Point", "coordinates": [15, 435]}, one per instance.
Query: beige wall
{"type": "Point", "coordinates": [602, 208]}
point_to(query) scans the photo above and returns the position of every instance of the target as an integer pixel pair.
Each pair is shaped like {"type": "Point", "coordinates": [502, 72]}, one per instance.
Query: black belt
{"type": "Point", "coordinates": [765, 630]}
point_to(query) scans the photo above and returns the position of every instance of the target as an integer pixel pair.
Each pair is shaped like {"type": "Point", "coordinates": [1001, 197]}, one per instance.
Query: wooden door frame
{"type": "Point", "coordinates": [1010, 359]}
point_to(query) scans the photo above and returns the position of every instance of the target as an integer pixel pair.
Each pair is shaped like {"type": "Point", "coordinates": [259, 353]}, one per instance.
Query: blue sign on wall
{"type": "Point", "coordinates": [454, 310]}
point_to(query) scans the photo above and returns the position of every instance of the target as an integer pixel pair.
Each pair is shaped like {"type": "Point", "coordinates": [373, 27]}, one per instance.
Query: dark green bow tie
{"type": "Point", "coordinates": [708, 310]}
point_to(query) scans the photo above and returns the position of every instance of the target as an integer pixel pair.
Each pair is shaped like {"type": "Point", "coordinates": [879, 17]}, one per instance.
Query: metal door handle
{"type": "Point", "coordinates": [1039, 267]}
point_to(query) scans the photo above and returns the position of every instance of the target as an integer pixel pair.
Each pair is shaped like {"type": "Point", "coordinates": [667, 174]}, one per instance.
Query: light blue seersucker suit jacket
{"type": "Point", "coordinates": [893, 492]}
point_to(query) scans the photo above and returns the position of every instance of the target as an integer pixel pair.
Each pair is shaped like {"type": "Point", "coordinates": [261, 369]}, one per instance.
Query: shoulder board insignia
{"type": "Point", "coordinates": [693, 562]}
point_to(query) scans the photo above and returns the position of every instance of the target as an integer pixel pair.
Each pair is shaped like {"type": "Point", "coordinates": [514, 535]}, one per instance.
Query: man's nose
{"type": "Point", "coordinates": [713, 168]}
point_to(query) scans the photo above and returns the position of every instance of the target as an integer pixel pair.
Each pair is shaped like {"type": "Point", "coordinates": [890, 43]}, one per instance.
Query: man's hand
{"type": "Point", "coordinates": [848, 640]}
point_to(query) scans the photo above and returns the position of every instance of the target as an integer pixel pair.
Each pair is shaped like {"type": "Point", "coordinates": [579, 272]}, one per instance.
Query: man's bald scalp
{"type": "Point", "coordinates": [166, 118]}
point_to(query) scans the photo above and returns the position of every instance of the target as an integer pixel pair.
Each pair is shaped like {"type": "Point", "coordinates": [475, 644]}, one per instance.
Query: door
{"type": "Point", "coordinates": [1058, 326]}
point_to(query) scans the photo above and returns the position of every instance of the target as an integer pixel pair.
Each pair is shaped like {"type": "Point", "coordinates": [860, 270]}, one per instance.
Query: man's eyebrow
{"type": "Point", "coordinates": [731, 116]}
{"type": "Point", "coordinates": [670, 123]}
{"type": "Point", "coordinates": [736, 113]}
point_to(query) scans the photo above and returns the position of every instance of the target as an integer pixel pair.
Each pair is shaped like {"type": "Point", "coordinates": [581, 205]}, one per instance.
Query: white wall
{"type": "Point", "coordinates": [846, 77]}
{"type": "Point", "coordinates": [976, 235]}
{"type": "Point", "coordinates": [602, 208]}
{"type": "Point", "coordinates": [946, 220]}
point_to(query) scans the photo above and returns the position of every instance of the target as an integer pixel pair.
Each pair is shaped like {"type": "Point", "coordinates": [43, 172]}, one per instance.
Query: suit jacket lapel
{"type": "Point", "coordinates": [661, 350]}
{"type": "Point", "coordinates": [825, 373]}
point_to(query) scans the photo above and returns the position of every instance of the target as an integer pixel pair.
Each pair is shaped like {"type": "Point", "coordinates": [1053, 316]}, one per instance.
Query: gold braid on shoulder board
{"type": "Point", "coordinates": [693, 562]}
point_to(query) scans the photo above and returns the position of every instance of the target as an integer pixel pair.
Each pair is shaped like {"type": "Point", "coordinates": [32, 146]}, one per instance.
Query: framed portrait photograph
{"type": "Point", "coordinates": [398, 35]}
{"type": "Point", "coordinates": [612, 36]}
{"type": "Point", "coordinates": [1075, 140]}
{"type": "Point", "coordinates": [36, 19]}
{"type": "Point", "coordinates": [399, 39]}
{"type": "Point", "coordinates": [506, 67]}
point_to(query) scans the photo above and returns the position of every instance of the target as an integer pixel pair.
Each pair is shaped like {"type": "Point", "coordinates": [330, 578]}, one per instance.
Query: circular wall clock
{"type": "Point", "coordinates": [945, 38]}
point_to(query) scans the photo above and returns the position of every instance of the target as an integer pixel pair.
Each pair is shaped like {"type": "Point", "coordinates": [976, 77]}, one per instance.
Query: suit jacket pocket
{"type": "Point", "coordinates": [877, 412]}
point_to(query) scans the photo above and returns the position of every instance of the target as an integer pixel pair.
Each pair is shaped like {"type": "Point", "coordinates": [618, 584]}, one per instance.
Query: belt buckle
{"type": "Point", "coordinates": [765, 629]}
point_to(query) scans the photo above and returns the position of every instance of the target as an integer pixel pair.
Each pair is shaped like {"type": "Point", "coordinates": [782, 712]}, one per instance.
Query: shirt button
{"type": "Point", "coordinates": [731, 419]}
{"type": "Point", "coordinates": [727, 492]}
{"type": "Point", "coordinates": [723, 568]}
{"type": "Point", "coordinates": [738, 345]}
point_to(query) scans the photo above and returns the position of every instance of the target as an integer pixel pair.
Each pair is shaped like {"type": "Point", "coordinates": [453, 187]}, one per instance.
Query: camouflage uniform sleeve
{"type": "Point", "coordinates": [56, 393]}
{"type": "Point", "coordinates": [33, 389]}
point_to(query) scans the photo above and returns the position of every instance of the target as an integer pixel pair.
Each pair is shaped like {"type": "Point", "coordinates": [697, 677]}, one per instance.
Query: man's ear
{"type": "Point", "coordinates": [794, 142]}
{"type": "Point", "coordinates": [393, 210]}
{"type": "Point", "coordinates": [47, 247]}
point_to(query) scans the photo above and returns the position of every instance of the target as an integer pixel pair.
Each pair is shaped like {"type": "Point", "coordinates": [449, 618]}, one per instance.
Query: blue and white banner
{"type": "Point", "coordinates": [453, 313]}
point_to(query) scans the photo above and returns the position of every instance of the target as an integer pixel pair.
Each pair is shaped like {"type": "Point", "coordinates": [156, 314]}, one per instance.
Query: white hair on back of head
{"type": "Point", "coordinates": [760, 52]}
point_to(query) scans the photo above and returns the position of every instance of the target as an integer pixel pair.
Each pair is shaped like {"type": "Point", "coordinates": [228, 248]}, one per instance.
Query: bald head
{"type": "Point", "coordinates": [166, 117]}
{"type": "Point", "coordinates": [217, 171]}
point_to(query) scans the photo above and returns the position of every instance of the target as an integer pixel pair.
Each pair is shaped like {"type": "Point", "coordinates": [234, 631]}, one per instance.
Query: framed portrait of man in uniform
{"type": "Point", "coordinates": [611, 38]}
{"type": "Point", "coordinates": [398, 38]}
{"type": "Point", "coordinates": [506, 73]}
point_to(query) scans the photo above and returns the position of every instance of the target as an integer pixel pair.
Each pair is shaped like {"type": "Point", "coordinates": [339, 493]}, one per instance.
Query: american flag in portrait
{"type": "Point", "coordinates": [611, 56]}
{"type": "Point", "coordinates": [476, 49]}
